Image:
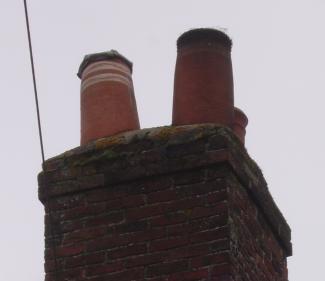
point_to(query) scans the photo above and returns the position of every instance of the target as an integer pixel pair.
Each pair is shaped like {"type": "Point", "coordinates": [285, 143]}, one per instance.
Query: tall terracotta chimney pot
{"type": "Point", "coordinates": [240, 123]}
{"type": "Point", "coordinates": [108, 104]}
{"type": "Point", "coordinates": [203, 86]}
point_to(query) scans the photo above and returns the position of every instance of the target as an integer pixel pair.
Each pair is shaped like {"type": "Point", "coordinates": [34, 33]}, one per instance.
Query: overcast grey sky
{"type": "Point", "coordinates": [279, 69]}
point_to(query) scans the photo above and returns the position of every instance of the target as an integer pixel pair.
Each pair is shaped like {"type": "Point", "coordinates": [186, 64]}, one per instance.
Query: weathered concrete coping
{"type": "Point", "coordinates": [158, 151]}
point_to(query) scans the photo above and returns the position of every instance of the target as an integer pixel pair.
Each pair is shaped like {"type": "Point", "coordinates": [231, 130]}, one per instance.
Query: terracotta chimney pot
{"type": "Point", "coordinates": [203, 86]}
{"type": "Point", "coordinates": [240, 123]}
{"type": "Point", "coordinates": [108, 104]}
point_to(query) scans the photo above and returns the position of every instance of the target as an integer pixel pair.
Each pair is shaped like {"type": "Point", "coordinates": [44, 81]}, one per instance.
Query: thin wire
{"type": "Point", "coordinates": [40, 136]}
{"type": "Point", "coordinates": [34, 83]}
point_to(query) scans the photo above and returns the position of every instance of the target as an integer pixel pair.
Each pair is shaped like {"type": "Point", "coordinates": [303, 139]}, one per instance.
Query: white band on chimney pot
{"type": "Point", "coordinates": [105, 77]}
{"type": "Point", "coordinates": [106, 66]}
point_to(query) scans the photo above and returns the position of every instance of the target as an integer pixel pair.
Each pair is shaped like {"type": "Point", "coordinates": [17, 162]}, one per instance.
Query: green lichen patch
{"type": "Point", "coordinates": [164, 133]}
{"type": "Point", "coordinates": [104, 143]}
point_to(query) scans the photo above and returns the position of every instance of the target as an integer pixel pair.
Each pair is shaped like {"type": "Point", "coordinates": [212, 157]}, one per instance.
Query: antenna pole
{"type": "Point", "coordinates": [34, 82]}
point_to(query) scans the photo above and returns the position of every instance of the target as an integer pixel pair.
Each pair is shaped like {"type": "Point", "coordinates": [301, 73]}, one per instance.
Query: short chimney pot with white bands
{"type": "Point", "coordinates": [108, 104]}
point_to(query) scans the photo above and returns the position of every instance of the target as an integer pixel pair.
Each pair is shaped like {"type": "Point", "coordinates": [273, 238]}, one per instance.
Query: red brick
{"type": "Point", "coordinates": [148, 185]}
{"type": "Point", "coordinates": [145, 260]}
{"type": "Point", "coordinates": [168, 219]}
{"type": "Point", "coordinates": [218, 171]}
{"type": "Point", "coordinates": [90, 181]}
{"type": "Point", "coordinates": [178, 229]}
{"type": "Point", "coordinates": [83, 211]}
{"type": "Point", "coordinates": [162, 196]}
{"type": "Point", "coordinates": [218, 209]}
{"type": "Point", "coordinates": [106, 194]}
{"type": "Point", "coordinates": [125, 202]}
{"type": "Point", "coordinates": [207, 223]}
{"type": "Point", "coordinates": [198, 225]}
{"type": "Point", "coordinates": [167, 268]}
{"type": "Point", "coordinates": [224, 277]}
{"type": "Point", "coordinates": [187, 203]}
{"type": "Point", "coordinates": [144, 212]}
{"type": "Point", "coordinates": [132, 227]}
{"type": "Point", "coordinates": [210, 235]}
{"type": "Point", "coordinates": [87, 259]}
{"type": "Point", "coordinates": [104, 268]}
{"type": "Point", "coordinates": [65, 251]}
{"type": "Point", "coordinates": [215, 197]}
{"type": "Point", "coordinates": [127, 251]}
{"type": "Point", "coordinates": [108, 242]}
{"type": "Point", "coordinates": [105, 219]}
{"type": "Point", "coordinates": [51, 265]}
{"type": "Point", "coordinates": [189, 177]}
{"type": "Point", "coordinates": [66, 202]}
{"type": "Point", "coordinates": [83, 234]}
{"type": "Point", "coordinates": [156, 279]}
{"type": "Point", "coordinates": [133, 201]}
{"type": "Point", "coordinates": [169, 243]}
{"type": "Point", "coordinates": [190, 276]}
{"type": "Point", "coordinates": [113, 204]}
{"type": "Point", "coordinates": [221, 269]}
{"type": "Point", "coordinates": [147, 235]}
{"type": "Point", "coordinates": [188, 251]}
{"type": "Point", "coordinates": [126, 275]}
{"type": "Point", "coordinates": [202, 188]}
{"type": "Point", "coordinates": [205, 260]}
{"type": "Point", "coordinates": [68, 226]}
{"type": "Point", "coordinates": [220, 245]}
{"type": "Point", "coordinates": [70, 274]}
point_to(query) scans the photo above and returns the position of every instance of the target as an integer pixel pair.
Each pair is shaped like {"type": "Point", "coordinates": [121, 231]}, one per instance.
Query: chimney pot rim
{"type": "Point", "coordinates": [102, 56]}
{"type": "Point", "coordinates": [204, 34]}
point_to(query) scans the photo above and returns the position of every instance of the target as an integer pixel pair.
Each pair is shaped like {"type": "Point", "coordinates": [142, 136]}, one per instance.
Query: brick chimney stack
{"type": "Point", "coordinates": [175, 203]}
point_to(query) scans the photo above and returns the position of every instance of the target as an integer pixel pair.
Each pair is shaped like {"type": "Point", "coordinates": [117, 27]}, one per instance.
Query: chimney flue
{"type": "Point", "coordinates": [203, 86]}
{"type": "Point", "coordinates": [108, 104]}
